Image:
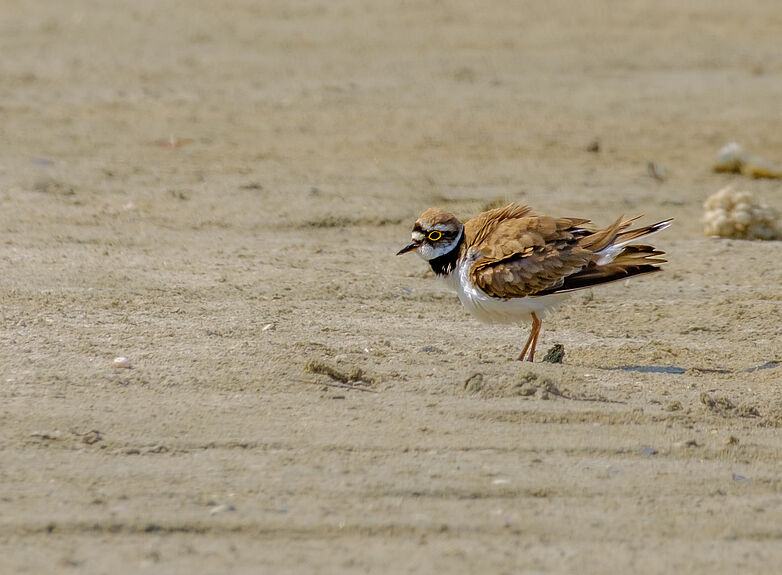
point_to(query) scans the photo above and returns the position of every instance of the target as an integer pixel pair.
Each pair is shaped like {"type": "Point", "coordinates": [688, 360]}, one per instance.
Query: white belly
{"type": "Point", "coordinates": [497, 310]}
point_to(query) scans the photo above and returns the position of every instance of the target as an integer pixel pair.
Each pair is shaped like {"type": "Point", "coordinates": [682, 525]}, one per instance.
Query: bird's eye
{"type": "Point", "coordinates": [435, 235]}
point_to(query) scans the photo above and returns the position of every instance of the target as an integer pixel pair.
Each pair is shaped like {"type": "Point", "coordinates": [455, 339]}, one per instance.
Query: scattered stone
{"type": "Point", "coordinates": [92, 437]}
{"type": "Point", "coordinates": [121, 363]}
{"type": "Point", "coordinates": [656, 171]}
{"type": "Point", "coordinates": [593, 146]}
{"type": "Point", "coordinates": [673, 406]}
{"type": "Point", "coordinates": [733, 158]}
{"type": "Point", "coordinates": [555, 354]}
{"type": "Point", "coordinates": [648, 451]}
{"type": "Point", "coordinates": [474, 383]}
{"type": "Point", "coordinates": [730, 158]}
{"type": "Point", "coordinates": [269, 327]}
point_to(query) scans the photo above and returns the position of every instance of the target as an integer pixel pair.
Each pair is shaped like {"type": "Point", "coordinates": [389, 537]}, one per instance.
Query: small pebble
{"type": "Point", "coordinates": [121, 363]}
{"type": "Point", "coordinates": [269, 327]}
{"type": "Point", "coordinates": [92, 437]}
{"type": "Point", "coordinates": [593, 146]}
{"type": "Point", "coordinates": [221, 509]}
{"type": "Point", "coordinates": [474, 383]}
{"type": "Point", "coordinates": [556, 354]}
{"type": "Point", "coordinates": [656, 171]}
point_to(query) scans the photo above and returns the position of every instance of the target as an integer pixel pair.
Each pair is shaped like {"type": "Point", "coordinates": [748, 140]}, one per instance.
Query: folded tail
{"type": "Point", "coordinates": [614, 259]}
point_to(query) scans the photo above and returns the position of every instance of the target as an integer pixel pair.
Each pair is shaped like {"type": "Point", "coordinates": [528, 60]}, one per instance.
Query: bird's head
{"type": "Point", "coordinates": [435, 233]}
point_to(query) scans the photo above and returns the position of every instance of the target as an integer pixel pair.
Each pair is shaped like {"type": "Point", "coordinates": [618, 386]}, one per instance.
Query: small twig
{"type": "Point", "coordinates": [554, 391]}
{"type": "Point", "coordinates": [338, 385]}
{"type": "Point", "coordinates": [351, 375]}
{"type": "Point", "coordinates": [596, 399]}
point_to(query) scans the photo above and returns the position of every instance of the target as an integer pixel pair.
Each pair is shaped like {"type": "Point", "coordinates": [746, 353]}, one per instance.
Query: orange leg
{"type": "Point", "coordinates": [532, 340]}
{"type": "Point", "coordinates": [536, 323]}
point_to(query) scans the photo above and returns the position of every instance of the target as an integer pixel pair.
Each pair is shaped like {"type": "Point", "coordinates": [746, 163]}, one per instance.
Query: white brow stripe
{"type": "Point", "coordinates": [418, 237]}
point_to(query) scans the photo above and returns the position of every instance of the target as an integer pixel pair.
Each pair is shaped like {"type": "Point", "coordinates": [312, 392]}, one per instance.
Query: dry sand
{"type": "Point", "coordinates": [215, 190]}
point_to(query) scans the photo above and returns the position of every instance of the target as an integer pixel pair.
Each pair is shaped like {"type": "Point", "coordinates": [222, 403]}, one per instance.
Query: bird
{"type": "Point", "coordinates": [512, 265]}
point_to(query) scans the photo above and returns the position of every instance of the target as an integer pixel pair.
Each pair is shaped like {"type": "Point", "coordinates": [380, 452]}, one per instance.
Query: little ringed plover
{"type": "Point", "coordinates": [513, 265]}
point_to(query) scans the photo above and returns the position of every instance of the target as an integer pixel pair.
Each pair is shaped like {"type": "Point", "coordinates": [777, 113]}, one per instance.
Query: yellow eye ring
{"type": "Point", "coordinates": [435, 235]}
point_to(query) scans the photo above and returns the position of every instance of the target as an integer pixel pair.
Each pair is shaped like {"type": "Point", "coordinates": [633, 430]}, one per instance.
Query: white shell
{"type": "Point", "coordinates": [731, 153]}
{"type": "Point", "coordinates": [121, 362]}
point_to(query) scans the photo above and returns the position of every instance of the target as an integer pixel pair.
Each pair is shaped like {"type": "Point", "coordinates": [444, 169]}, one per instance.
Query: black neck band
{"type": "Point", "coordinates": [446, 263]}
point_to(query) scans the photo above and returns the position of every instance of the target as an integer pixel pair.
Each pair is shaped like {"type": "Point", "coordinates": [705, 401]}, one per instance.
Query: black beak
{"type": "Point", "coordinates": [409, 248]}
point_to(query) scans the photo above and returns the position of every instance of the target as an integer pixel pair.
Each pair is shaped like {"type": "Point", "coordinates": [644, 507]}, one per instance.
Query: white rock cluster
{"type": "Point", "coordinates": [738, 214]}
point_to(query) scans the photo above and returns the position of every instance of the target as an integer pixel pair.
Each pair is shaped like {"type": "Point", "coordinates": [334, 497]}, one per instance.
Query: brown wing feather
{"type": "Point", "coordinates": [601, 239]}
{"type": "Point", "coordinates": [483, 225]}
{"type": "Point", "coordinates": [526, 254]}
{"type": "Point", "coordinates": [522, 252]}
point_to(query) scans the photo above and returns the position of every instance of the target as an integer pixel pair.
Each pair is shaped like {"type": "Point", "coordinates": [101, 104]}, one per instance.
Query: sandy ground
{"type": "Point", "coordinates": [216, 190]}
